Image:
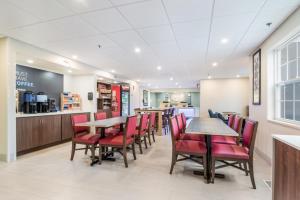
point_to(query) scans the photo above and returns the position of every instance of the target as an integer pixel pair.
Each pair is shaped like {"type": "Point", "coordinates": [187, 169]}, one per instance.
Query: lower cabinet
{"type": "Point", "coordinates": [37, 132]}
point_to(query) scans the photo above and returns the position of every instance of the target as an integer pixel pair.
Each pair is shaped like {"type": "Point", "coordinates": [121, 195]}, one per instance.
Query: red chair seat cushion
{"type": "Point", "coordinates": [115, 140]}
{"type": "Point", "coordinates": [191, 147]}
{"type": "Point", "coordinates": [87, 138]}
{"type": "Point", "coordinates": [223, 139]}
{"type": "Point", "coordinates": [229, 151]}
{"type": "Point", "coordinates": [190, 136]}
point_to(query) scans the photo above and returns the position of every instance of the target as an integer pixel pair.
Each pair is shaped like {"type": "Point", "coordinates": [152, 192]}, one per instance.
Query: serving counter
{"type": "Point", "coordinates": [41, 130]}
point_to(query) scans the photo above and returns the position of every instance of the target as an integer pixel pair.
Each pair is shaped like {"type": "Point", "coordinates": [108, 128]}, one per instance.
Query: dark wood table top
{"type": "Point", "coordinates": [209, 126]}
{"type": "Point", "coordinates": [105, 123]}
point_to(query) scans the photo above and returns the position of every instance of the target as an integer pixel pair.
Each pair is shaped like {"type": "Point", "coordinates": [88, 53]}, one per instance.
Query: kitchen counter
{"type": "Point", "coordinates": [50, 113]}
{"type": "Point", "coordinates": [291, 140]}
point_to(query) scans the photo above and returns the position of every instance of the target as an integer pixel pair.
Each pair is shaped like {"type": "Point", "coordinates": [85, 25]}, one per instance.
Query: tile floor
{"type": "Point", "coordinates": [49, 175]}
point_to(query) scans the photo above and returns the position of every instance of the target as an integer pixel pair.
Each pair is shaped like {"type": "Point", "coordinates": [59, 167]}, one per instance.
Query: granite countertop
{"type": "Point", "coordinates": [291, 140]}
{"type": "Point", "coordinates": [50, 113]}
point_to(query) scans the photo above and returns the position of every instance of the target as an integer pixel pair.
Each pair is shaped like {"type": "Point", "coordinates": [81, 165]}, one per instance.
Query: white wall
{"type": "Point", "coordinates": [223, 95]}
{"type": "Point", "coordinates": [263, 112]}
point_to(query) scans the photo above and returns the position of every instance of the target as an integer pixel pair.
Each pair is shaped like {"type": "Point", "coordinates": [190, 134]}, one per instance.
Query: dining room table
{"type": "Point", "coordinates": [103, 125]}
{"type": "Point", "coordinates": [209, 127]}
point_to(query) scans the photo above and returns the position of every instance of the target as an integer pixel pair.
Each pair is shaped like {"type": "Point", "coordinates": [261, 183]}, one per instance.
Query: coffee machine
{"type": "Point", "coordinates": [42, 102]}
{"type": "Point", "coordinates": [52, 105]}
{"type": "Point", "coordinates": [29, 102]}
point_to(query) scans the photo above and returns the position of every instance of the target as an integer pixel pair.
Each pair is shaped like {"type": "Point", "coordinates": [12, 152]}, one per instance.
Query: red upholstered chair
{"type": "Point", "coordinates": [230, 120]}
{"type": "Point", "coordinates": [151, 127]}
{"type": "Point", "coordinates": [238, 154]}
{"type": "Point", "coordinates": [185, 148]}
{"type": "Point", "coordinates": [116, 114]}
{"type": "Point", "coordinates": [82, 135]}
{"type": "Point", "coordinates": [109, 131]}
{"type": "Point", "coordinates": [181, 121]}
{"type": "Point", "coordinates": [141, 135]}
{"type": "Point", "coordinates": [236, 126]}
{"type": "Point", "coordinates": [120, 142]}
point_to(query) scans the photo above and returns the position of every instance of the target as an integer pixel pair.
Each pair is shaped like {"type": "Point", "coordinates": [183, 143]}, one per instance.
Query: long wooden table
{"type": "Point", "coordinates": [209, 127]}
{"type": "Point", "coordinates": [160, 112]}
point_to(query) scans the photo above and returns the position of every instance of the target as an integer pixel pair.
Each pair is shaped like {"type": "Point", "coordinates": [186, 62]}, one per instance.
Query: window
{"type": "Point", "coordinates": [287, 87]}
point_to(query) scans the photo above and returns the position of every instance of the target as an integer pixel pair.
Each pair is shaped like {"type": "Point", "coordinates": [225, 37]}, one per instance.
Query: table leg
{"type": "Point", "coordinates": [159, 128]}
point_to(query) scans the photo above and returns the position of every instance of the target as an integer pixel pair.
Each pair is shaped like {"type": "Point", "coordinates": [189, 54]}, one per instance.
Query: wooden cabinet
{"type": "Point", "coordinates": [286, 173]}
{"type": "Point", "coordinates": [38, 132]}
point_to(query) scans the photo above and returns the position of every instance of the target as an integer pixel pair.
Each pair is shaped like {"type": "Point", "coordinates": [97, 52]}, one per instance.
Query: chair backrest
{"type": "Point", "coordinates": [100, 115]}
{"type": "Point", "coordinates": [180, 123]}
{"type": "Point", "coordinates": [212, 114]}
{"type": "Point", "coordinates": [230, 120]}
{"type": "Point", "coordinates": [130, 127]}
{"type": "Point", "coordinates": [80, 118]}
{"type": "Point", "coordinates": [249, 135]}
{"type": "Point", "coordinates": [172, 112]}
{"type": "Point", "coordinates": [175, 134]}
{"type": "Point", "coordinates": [115, 114]}
{"type": "Point", "coordinates": [183, 120]}
{"type": "Point", "coordinates": [237, 124]}
{"type": "Point", "coordinates": [152, 120]}
{"type": "Point", "coordinates": [143, 122]}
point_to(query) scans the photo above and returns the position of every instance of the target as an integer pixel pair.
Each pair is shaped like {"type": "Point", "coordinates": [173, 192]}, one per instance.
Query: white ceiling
{"type": "Point", "coordinates": [183, 36]}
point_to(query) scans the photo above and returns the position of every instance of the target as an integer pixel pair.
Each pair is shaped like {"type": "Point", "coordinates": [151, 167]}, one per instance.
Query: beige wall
{"type": "Point", "coordinates": [223, 95]}
{"type": "Point", "coordinates": [264, 112]}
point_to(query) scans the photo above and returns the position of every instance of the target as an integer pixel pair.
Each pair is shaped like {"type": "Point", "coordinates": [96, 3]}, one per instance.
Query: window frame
{"type": "Point", "coordinates": [278, 83]}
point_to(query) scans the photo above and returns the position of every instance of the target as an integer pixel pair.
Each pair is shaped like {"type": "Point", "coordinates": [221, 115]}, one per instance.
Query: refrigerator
{"type": "Point", "coordinates": [125, 100]}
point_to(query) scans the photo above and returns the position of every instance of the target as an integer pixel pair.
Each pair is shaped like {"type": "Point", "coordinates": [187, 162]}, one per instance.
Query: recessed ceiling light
{"type": "Point", "coordinates": [238, 76]}
{"type": "Point", "coordinates": [30, 61]}
{"type": "Point", "coordinates": [214, 64]}
{"type": "Point", "coordinates": [74, 57]}
{"type": "Point", "coordinates": [100, 78]}
{"type": "Point", "coordinates": [176, 83]}
{"type": "Point", "coordinates": [138, 80]}
{"type": "Point", "coordinates": [209, 77]}
{"type": "Point", "coordinates": [137, 50]}
{"type": "Point", "coordinates": [112, 71]}
{"type": "Point", "coordinates": [224, 40]}
{"type": "Point", "coordinates": [171, 78]}
{"type": "Point", "coordinates": [179, 86]}
{"type": "Point", "coordinates": [159, 68]}
{"type": "Point", "coordinates": [70, 71]}
{"type": "Point", "coordinates": [149, 84]}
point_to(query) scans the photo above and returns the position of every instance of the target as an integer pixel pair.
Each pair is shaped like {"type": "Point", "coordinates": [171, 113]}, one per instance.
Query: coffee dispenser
{"type": "Point", "coordinates": [52, 105]}
{"type": "Point", "coordinates": [42, 102]}
{"type": "Point", "coordinates": [29, 102]}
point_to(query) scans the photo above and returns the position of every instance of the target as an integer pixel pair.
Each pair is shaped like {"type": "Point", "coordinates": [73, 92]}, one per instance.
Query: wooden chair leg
{"type": "Point", "coordinates": [125, 157]}
{"type": "Point", "coordinates": [100, 154]}
{"type": "Point", "coordinates": [73, 150]}
{"type": "Point", "coordinates": [173, 162]}
{"type": "Point", "coordinates": [133, 151]}
{"type": "Point", "coordinates": [153, 132]}
{"type": "Point", "coordinates": [252, 173]}
{"type": "Point", "coordinates": [145, 141]}
{"type": "Point", "coordinates": [245, 168]}
{"type": "Point", "coordinates": [204, 166]}
{"type": "Point", "coordinates": [86, 149]}
{"type": "Point", "coordinates": [213, 162]}
{"type": "Point", "coordinates": [149, 138]}
{"type": "Point", "coordinates": [140, 144]}
{"type": "Point", "coordinates": [93, 152]}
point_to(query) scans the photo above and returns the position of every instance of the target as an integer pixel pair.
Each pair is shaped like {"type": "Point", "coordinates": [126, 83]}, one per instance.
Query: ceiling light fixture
{"type": "Point", "coordinates": [171, 78]}
{"type": "Point", "coordinates": [209, 76]}
{"type": "Point", "coordinates": [238, 76]}
{"type": "Point", "coordinates": [100, 78]}
{"type": "Point", "coordinates": [30, 61]}
{"type": "Point", "coordinates": [74, 57]}
{"type": "Point", "coordinates": [148, 84]}
{"type": "Point", "coordinates": [179, 86]}
{"type": "Point", "coordinates": [138, 80]}
{"type": "Point", "coordinates": [70, 71]}
{"type": "Point", "coordinates": [137, 50]}
{"type": "Point", "coordinates": [112, 71]}
{"type": "Point", "coordinates": [224, 40]}
{"type": "Point", "coordinates": [158, 68]}
{"type": "Point", "coordinates": [214, 64]}
{"type": "Point", "coordinates": [176, 83]}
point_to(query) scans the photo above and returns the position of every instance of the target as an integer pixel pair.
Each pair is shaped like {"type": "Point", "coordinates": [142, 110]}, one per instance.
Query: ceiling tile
{"type": "Point", "coordinates": [187, 10]}
{"type": "Point", "coordinates": [16, 16]}
{"type": "Point", "coordinates": [42, 10]}
{"type": "Point", "coordinates": [144, 14]}
{"type": "Point", "coordinates": [236, 7]}
{"type": "Point", "coordinates": [157, 34]}
{"type": "Point", "coordinates": [108, 20]}
{"type": "Point", "coordinates": [123, 2]}
{"type": "Point", "coordinates": [129, 39]}
{"type": "Point", "coordinates": [85, 5]}
{"type": "Point", "coordinates": [195, 29]}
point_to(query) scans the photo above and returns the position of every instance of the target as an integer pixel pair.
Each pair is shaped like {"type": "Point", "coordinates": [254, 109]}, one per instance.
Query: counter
{"type": "Point", "coordinates": [285, 167]}
{"type": "Point", "coordinates": [49, 113]}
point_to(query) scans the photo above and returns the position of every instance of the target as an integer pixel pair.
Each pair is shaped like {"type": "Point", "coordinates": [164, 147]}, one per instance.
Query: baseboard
{"type": "Point", "coordinates": [264, 156]}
